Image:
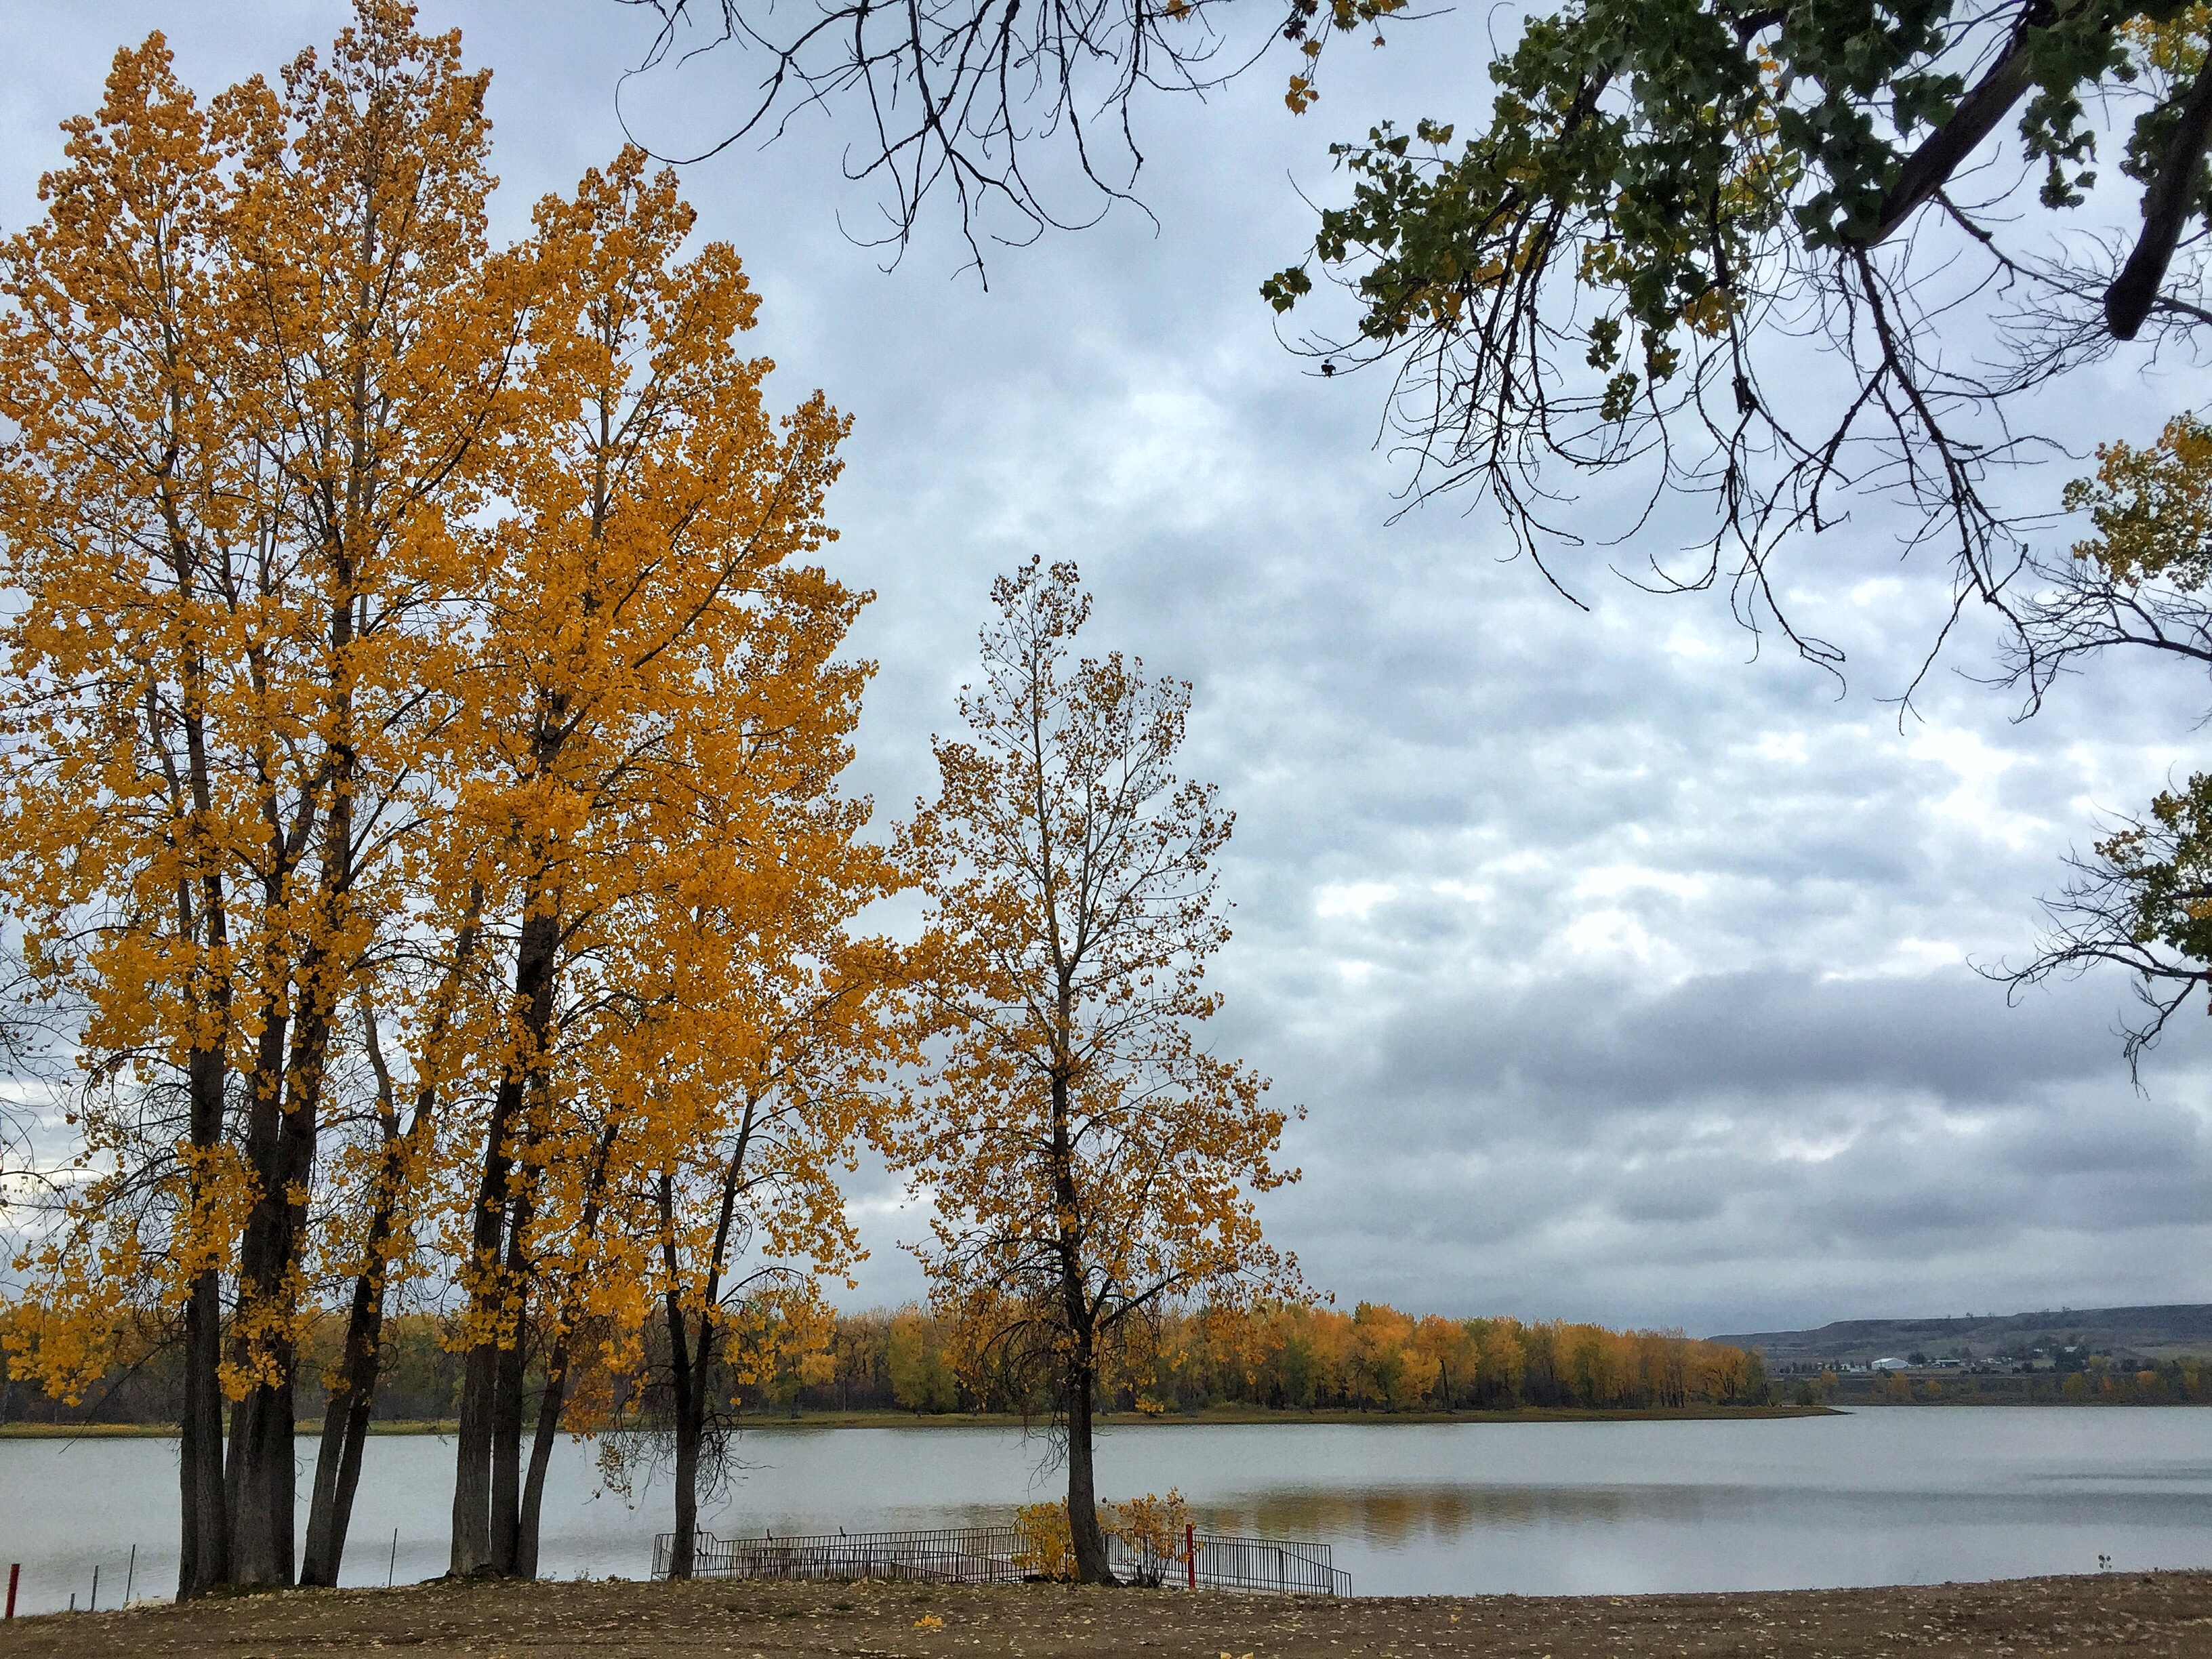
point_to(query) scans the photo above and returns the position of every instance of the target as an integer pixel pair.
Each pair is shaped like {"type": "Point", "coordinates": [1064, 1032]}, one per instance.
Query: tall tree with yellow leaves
{"type": "Point", "coordinates": [249, 358]}
{"type": "Point", "coordinates": [127, 514]}
{"type": "Point", "coordinates": [747, 1206]}
{"type": "Point", "coordinates": [637, 605]}
{"type": "Point", "coordinates": [1089, 1162]}
{"type": "Point", "coordinates": [378, 358]}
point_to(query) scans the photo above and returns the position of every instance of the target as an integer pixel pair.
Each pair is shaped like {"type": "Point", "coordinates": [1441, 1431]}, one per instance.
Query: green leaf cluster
{"type": "Point", "coordinates": [1660, 154]}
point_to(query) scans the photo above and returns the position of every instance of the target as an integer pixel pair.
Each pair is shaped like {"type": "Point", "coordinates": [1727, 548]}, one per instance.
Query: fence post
{"type": "Point", "coordinates": [15, 1573]}
{"type": "Point", "coordinates": [96, 1588]}
{"type": "Point", "coordinates": [131, 1577]}
{"type": "Point", "coordinates": [1190, 1553]}
{"type": "Point", "coordinates": [392, 1566]}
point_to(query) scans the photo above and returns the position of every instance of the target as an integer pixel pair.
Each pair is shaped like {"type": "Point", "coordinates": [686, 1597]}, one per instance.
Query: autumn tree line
{"type": "Point", "coordinates": [423, 721]}
{"type": "Point", "coordinates": [1302, 1356]}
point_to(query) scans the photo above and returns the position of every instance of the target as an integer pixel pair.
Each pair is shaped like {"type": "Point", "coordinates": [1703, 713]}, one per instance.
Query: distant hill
{"type": "Point", "coordinates": [2154, 1332]}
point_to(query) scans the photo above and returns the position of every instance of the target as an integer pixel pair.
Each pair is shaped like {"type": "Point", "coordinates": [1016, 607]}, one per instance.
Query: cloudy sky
{"type": "Point", "coordinates": [1625, 972]}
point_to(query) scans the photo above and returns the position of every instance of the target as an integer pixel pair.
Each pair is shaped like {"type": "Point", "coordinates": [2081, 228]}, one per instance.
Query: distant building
{"type": "Point", "coordinates": [1891, 1364]}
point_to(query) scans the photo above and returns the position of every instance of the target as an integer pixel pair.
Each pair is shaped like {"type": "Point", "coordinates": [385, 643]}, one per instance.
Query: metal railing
{"type": "Point", "coordinates": [996, 1555]}
{"type": "Point", "coordinates": [1280, 1565]}
{"type": "Point", "coordinates": [958, 1555]}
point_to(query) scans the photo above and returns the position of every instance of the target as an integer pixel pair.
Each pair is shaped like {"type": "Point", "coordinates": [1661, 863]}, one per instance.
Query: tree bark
{"type": "Point", "coordinates": [690, 1370]}
{"type": "Point", "coordinates": [1079, 1380]}
{"type": "Point", "coordinates": [1085, 1534]}
{"type": "Point", "coordinates": [345, 1429]}
{"type": "Point", "coordinates": [205, 1535]}
{"type": "Point", "coordinates": [507, 1382]}
{"type": "Point", "coordinates": [203, 1560]}
{"type": "Point", "coordinates": [345, 1418]}
{"type": "Point", "coordinates": [684, 1383]}
{"type": "Point", "coordinates": [550, 1405]}
{"type": "Point", "coordinates": [2167, 206]}
{"type": "Point", "coordinates": [489, 1295]}
{"type": "Point", "coordinates": [553, 1399]}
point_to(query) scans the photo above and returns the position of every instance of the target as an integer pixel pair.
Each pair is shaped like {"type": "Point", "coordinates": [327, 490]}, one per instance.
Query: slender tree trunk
{"type": "Point", "coordinates": [508, 1380]}
{"type": "Point", "coordinates": [1079, 1382]}
{"type": "Point", "coordinates": [690, 1370]}
{"type": "Point", "coordinates": [550, 1402]}
{"type": "Point", "coordinates": [203, 1559]}
{"type": "Point", "coordinates": [345, 1418]}
{"type": "Point", "coordinates": [203, 1537]}
{"type": "Point", "coordinates": [337, 1460]}
{"type": "Point", "coordinates": [203, 1562]}
{"type": "Point", "coordinates": [684, 1383]}
{"type": "Point", "coordinates": [553, 1399]}
{"type": "Point", "coordinates": [471, 1546]}
{"type": "Point", "coordinates": [255, 1557]}
{"type": "Point", "coordinates": [1089, 1539]}
{"type": "Point", "coordinates": [472, 1551]}
{"type": "Point", "coordinates": [683, 1555]}
{"type": "Point", "coordinates": [490, 1294]}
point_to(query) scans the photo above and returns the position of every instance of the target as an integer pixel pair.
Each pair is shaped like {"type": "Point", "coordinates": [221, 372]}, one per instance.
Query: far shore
{"type": "Point", "coordinates": [1223, 1415]}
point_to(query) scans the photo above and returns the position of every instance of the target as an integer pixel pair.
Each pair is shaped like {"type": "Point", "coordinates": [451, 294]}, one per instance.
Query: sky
{"type": "Point", "coordinates": [1625, 966]}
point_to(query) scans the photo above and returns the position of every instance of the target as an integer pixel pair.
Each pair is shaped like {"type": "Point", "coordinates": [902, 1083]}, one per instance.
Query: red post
{"type": "Point", "coordinates": [1189, 1556]}
{"type": "Point", "coordinates": [15, 1573]}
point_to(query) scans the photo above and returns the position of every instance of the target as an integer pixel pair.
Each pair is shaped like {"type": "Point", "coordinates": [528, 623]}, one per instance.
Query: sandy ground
{"type": "Point", "coordinates": [2112, 1614]}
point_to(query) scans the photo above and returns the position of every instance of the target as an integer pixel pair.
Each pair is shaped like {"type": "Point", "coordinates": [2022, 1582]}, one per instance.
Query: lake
{"type": "Point", "coordinates": [1896, 1496]}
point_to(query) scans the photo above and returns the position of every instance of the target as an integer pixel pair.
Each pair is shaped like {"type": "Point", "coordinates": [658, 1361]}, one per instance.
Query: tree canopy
{"type": "Point", "coordinates": [1779, 257]}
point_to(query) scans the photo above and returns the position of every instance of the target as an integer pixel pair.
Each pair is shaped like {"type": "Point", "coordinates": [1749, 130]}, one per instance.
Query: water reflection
{"type": "Point", "coordinates": [1399, 1514]}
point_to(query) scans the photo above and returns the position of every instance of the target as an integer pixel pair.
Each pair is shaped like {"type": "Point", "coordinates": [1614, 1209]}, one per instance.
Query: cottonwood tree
{"type": "Point", "coordinates": [1088, 1160]}
{"type": "Point", "coordinates": [125, 809]}
{"type": "Point", "coordinates": [378, 358]}
{"type": "Point", "coordinates": [642, 614]}
{"type": "Point", "coordinates": [245, 388]}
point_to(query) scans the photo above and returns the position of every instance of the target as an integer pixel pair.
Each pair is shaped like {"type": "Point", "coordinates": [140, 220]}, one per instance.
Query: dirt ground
{"type": "Point", "coordinates": [2112, 1614]}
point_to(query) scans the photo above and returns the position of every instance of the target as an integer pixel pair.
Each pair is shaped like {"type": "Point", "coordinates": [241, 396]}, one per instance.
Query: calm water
{"type": "Point", "coordinates": [1879, 1496]}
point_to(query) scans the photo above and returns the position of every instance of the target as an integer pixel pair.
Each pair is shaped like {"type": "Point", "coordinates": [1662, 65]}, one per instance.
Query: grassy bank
{"type": "Point", "coordinates": [1005, 1421]}
{"type": "Point", "coordinates": [2101, 1616]}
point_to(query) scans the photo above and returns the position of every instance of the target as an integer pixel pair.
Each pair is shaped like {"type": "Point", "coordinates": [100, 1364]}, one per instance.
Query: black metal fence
{"type": "Point", "coordinates": [996, 1555]}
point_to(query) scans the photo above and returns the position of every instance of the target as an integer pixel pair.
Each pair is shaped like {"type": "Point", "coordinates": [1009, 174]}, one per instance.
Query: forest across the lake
{"type": "Point", "coordinates": [1294, 1357]}
{"type": "Point", "coordinates": [1316, 1361]}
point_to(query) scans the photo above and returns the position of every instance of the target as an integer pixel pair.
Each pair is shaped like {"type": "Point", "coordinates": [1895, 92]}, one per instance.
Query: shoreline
{"type": "Point", "coordinates": [2102, 1615]}
{"type": "Point", "coordinates": [1221, 1417]}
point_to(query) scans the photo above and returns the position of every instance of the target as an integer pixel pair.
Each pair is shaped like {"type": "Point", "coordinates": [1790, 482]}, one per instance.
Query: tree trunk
{"type": "Point", "coordinates": [345, 1418]}
{"type": "Point", "coordinates": [203, 1560]}
{"type": "Point", "coordinates": [471, 1547]}
{"type": "Point", "coordinates": [1089, 1539]}
{"type": "Point", "coordinates": [507, 1405]}
{"type": "Point", "coordinates": [684, 1553]}
{"type": "Point", "coordinates": [686, 1381]}
{"type": "Point", "coordinates": [1079, 1383]}
{"type": "Point", "coordinates": [549, 1404]}
{"type": "Point", "coordinates": [553, 1398]}
{"type": "Point", "coordinates": [690, 1370]}
{"type": "Point", "coordinates": [204, 1556]}
{"type": "Point", "coordinates": [475, 1549]}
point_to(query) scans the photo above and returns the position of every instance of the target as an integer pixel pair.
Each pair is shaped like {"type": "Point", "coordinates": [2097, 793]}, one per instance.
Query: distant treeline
{"type": "Point", "coordinates": [1374, 1358]}
{"type": "Point", "coordinates": [2101, 1380]}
